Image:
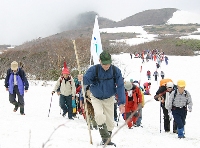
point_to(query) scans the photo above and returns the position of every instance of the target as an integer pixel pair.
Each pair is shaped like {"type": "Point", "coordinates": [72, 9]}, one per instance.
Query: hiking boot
{"type": "Point", "coordinates": [95, 127]}
{"type": "Point", "coordinates": [64, 113]}
{"type": "Point", "coordinates": [71, 118]}
{"type": "Point", "coordinates": [181, 136]}
{"type": "Point", "coordinates": [103, 142]}
{"type": "Point", "coordinates": [22, 110]}
{"type": "Point", "coordinates": [175, 131]}
{"type": "Point", "coordinates": [104, 132]}
{"type": "Point", "coordinates": [16, 106]}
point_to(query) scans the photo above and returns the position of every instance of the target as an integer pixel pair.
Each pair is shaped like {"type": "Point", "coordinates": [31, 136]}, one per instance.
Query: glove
{"type": "Point", "coordinates": [170, 116]}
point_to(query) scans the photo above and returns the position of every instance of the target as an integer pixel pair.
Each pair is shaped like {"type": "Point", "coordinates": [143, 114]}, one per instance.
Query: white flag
{"type": "Point", "coordinates": [96, 46]}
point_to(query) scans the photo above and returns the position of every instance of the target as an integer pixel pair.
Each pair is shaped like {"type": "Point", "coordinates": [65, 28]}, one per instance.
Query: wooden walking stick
{"type": "Point", "coordinates": [85, 103]}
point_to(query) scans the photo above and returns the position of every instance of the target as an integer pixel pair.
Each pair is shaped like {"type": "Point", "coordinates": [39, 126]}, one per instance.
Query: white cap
{"type": "Point", "coordinates": [128, 85]}
{"type": "Point", "coordinates": [170, 84]}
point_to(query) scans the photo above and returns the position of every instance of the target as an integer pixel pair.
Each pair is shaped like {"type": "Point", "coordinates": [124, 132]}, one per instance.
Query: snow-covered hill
{"type": "Point", "coordinates": [184, 17]}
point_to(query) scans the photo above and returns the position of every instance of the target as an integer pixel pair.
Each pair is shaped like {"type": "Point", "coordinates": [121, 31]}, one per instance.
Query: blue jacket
{"type": "Point", "coordinates": [104, 87]}
{"type": "Point", "coordinates": [22, 82]}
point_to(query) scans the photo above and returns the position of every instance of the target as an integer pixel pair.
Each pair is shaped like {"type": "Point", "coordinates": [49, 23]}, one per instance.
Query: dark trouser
{"type": "Point", "coordinates": [179, 115]}
{"type": "Point", "coordinates": [115, 111]}
{"type": "Point", "coordinates": [167, 121]}
{"type": "Point", "coordinates": [149, 77]}
{"type": "Point", "coordinates": [12, 97]}
{"type": "Point", "coordinates": [156, 77]}
{"type": "Point", "coordinates": [139, 118]}
{"type": "Point", "coordinates": [162, 76]}
{"type": "Point", "coordinates": [66, 104]}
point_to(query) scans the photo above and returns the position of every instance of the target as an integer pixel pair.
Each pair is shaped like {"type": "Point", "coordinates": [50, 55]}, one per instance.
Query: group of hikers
{"type": "Point", "coordinates": [154, 55]}
{"type": "Point", "coordinates": [105, 87]}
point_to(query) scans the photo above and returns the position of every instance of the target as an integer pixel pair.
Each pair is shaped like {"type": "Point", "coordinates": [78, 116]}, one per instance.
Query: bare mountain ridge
{"type": "Point", "coordinates": [82, 25]}
{"type": "Point", "coordinates": [147, 17]}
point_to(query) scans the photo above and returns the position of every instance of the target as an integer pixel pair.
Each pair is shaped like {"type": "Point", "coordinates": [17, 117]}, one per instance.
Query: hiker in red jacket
{"type": "Point", "coordinates": [148, 74]}
{"type": "Point", "coordinates": [133, 100]}
{"type": "Point", "coordinates": [147, 86]}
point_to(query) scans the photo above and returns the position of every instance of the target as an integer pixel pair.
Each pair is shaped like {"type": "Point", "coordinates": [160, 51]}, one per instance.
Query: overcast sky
{"type": "Point", "coordinates": [25, 20]}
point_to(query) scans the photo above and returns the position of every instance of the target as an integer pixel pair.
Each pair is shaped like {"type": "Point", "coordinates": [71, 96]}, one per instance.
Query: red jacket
{"type": "Point", "coordinates": [148, 73]}
{"type": "Point", "coordinates": [132, 105]}
{"type": "Point", "coordinates": [146, 85]}
{"type": "Point", "coordinates": [78, 89]}
{"type": "Point", "coordinates": [132, 102]}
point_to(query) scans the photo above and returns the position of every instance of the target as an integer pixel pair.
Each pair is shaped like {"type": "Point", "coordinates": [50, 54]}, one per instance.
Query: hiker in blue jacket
{"type": "Point", "coordinates": [105, 82]}
{"type": "Point", "coordinates": [166, 60]}
{"type": "Point", "coordinates": [16, 83]}
{"type": "Point", "coordinates": [179, 101]}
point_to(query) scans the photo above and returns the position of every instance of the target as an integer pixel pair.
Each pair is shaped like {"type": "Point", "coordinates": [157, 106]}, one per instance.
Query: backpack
{"type": "Point", "coordinates": [163, 82]}
{"type": "Point", "coordinates": [175, 92]}
{"type": "Point", "coordinates": [114, 72]}
{"type": "Point", "coordinates": [67, 80]}
{"type": "Point", "coordinates": [19, 72]}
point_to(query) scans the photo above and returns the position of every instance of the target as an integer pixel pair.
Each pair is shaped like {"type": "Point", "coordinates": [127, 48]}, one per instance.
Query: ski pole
{"type": "Point", "coordinates": [77, 102]}
{"type": "Point", "coordinates": [160, 117]}
{"type": "Point", "coordinates": [50, 104]}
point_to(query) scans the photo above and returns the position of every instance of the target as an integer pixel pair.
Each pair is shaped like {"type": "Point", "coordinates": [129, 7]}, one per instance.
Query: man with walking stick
{"type": "Point", "coordinates": [104, 85]}
{"type": "Point", "coordinates": [162, 95]}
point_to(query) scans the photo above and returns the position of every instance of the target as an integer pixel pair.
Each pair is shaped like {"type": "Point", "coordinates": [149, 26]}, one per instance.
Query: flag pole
{"type": "Point", "coordinates": [83, 91]}
{"type": "Point", "coordinates": [140, 75]}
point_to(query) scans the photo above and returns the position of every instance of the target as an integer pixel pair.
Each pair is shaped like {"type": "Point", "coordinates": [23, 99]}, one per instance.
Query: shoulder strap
{"type": "Point", "coordinates": [97, 69]}
{"type": "Point", "coordinates": [61, 80]}
{"type": "Point", "coordinates": [175, 92]}
{"type": "Point", "coordinates": [68, 80]}
{"type": "Point", "coordinates": [114, 72]}
{"type": "Point", "coordinates": [185, 93]}
{"type": "Point", "coordinates": [20, 73]}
